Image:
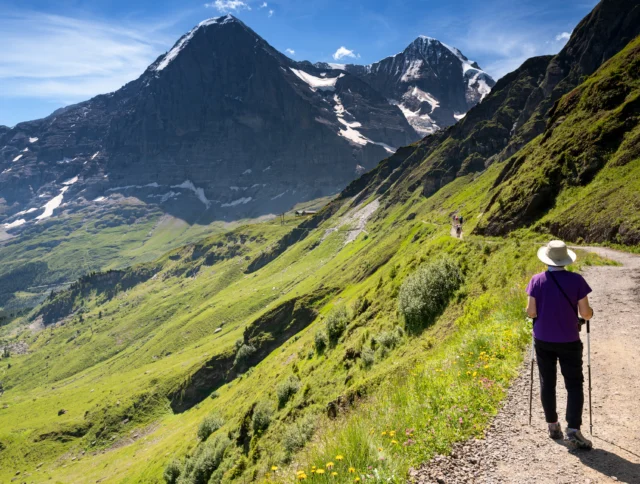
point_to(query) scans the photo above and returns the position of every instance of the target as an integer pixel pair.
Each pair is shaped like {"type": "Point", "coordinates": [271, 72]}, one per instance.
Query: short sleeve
{"type": "Point", "coordinates": [583, 289]}
{"type": "Point", "coordinates": [532, 288]}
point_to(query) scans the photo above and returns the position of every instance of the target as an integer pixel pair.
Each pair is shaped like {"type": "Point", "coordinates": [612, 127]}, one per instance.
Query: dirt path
{"type": "Point", "coordinates": [513, 452]}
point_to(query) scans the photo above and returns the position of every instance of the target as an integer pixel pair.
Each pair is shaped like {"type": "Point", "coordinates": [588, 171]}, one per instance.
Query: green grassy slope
{"type": "Point", "coordinates": [591, 147]}
{"type": "Point", "coordinates": [56, 252]}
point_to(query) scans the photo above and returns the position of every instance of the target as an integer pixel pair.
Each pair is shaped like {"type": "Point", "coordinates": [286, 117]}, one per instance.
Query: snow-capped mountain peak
{"type": "Point", "coordinates": [432, 83]}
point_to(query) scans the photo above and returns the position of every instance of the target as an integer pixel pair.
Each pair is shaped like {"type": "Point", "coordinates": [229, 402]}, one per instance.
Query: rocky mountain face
{"type": "Point", "coordinates": [222, 122]}
{"type": "Point", "coordinates": [433, 84]}
{"type": "Point", "coordinates": [224, 126]}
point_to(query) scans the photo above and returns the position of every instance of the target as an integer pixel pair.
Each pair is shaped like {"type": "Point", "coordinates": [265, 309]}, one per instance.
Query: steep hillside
{"type": "Point", "coordinates": [590, 148]}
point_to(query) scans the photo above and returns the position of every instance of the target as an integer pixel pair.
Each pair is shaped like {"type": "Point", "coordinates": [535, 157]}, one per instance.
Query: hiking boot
{"type": "Point", "coordinates": [555, 431]}
{"type": "Point", "coordinates": [576, 438]}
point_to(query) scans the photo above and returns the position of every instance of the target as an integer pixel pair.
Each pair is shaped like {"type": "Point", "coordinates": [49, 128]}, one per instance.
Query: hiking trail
{"type": "Point", "coordinates": [514, 452]}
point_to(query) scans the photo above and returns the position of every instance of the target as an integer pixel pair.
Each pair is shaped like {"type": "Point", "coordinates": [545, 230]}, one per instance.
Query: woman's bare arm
{"type": "Point", "coordinates": [585, 310]}
{"type": "Point", "coordinates": [532, 312]}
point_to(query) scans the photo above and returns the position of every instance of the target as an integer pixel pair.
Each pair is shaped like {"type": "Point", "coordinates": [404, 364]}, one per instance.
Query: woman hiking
{"type": "Point", "coordinates": [556, 296]}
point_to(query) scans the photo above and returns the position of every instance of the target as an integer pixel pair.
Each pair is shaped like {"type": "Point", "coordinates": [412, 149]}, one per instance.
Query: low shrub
{"type": "Point", "coordinates": [425, 293]}
{"type": "Point", "coordinates": [296, 435]}
{"type": "Point", "coordinates": [209, 425]}
{"type": "Point", "coordinates": [262, 414]}
{"type": "Point", "coordinates": [287, 389]}
{"type": "Point", "coordinates": [242, 355]}
{"type": "Point", "coordinates": [367, 358]}
{"type": "Point", "coordinates": [320, 341]}
{"type": "Point", "coordinates": [208, 459]}
{"type": "Point", "coordinates": [336, 323]}
{"type": "Point", "coordinates": [172, 472]}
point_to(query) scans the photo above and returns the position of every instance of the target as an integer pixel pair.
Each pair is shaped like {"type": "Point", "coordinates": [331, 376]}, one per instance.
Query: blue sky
{"type": "Point", "coordinates": [55, 53]}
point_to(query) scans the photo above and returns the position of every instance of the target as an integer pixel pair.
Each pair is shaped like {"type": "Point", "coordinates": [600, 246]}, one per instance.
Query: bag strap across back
{"type": "Point", "coordinates": [553, 278]}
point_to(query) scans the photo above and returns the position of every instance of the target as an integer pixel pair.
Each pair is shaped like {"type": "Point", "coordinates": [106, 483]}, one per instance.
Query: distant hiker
{"type": "Point", "coordinates": [458, 230]}
{"type": "Point", "coordinates": [461, 220]}
{"type": "Point", "coordinates": [555, 297]}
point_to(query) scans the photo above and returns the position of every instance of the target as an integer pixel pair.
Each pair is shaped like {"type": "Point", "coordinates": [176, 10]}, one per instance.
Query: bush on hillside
{"type": "Point", "coordinates": [209, 425]}
{"type": "Point", "coordinates": [287, 389]}
{"type": "Point", "coordinates": [320, 341]}
{"type": "Point", "coordinates": [425, 293]}
{"type": "Point", "coordinates": [367, 358]}
{"type": "Point", "coordinates": [386, 341]}
{"type": "Point", "coordinates": [243, 354]}
{"type": "Point", "coordinates": [360, 305]}
{"type": "Point", "coordinates": [172, 472]}
{"type": "Point", "coordinates": [208, 459]}
{"type": "Point", "coordinates": [297, 434]}
{"type": "Point", "coordinates": [337, 321]}
{"type": "Point", "coordinates": [262, 414]}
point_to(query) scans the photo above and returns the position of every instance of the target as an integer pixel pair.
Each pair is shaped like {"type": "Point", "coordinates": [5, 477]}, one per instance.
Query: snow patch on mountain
{"type": "Point", "coordinates": [349, 132]}
{"type": "Point", "coordinates": [239, 201]}
{"type": "Point", "coordinates": [17, 158]}
{"type": "Point", "coordinates": [187, 184]}
{"type": "Point", "coordinates": [15, 223]}
{"type": "Point", "coordinates": [71, 181]}
{"type": "Point", "coordinates": [413, 71]}
{"type": "Point", "coordinates": [24, 212]}
{"type": "Point", "coordinates": [422, 123]}
{"type": "Point", "coordinates": [181, 44]}
{"type": "Point", "coordinates": [317, 83]}
{"type": "Point", "coordinates": [52, 204]}
{"type": "Point", "coordinates": [33, 140]}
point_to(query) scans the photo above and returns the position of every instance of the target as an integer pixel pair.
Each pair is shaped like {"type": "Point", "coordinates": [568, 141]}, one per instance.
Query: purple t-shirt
{"type": "Point", "coordinates": [557, 321]}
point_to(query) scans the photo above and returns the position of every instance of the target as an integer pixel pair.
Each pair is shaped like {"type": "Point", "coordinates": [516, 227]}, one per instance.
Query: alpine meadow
{"type": "Point", "coordinates": [290, 300]}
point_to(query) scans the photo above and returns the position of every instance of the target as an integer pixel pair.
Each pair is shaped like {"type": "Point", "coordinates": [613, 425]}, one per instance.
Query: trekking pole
{"type": "Point", "coordinates": [531, 385]}
{"type": "Point", "coordinates": [589, 373]}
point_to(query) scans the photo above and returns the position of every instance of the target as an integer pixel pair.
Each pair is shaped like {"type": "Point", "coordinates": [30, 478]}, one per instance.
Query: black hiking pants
{"type": "Point", "coordinates": [570, 357]}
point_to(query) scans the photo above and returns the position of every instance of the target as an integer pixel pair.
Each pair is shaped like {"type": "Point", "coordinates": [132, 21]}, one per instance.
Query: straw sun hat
{"type": "Point", "coordinates": [556, 254]}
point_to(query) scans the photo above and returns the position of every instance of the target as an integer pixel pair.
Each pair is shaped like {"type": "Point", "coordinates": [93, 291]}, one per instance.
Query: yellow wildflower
{"type": "Point", "coordinates": [357, 479]}
{"type": "Point", "coordinates": [384, 433]}
{"type": "Point", "coordinates": [394, 441]}
{"type": "Point", "coordinates": [302, 477]}
{"type": "Point", "coordinates": [379, 449]}
{"type": "Point", "coordinates": [352, 470]}
{"type": "Point", "coordinates": [392, 433]}
{"type": "Point", "coordinates": [475, 373]}
{"type": "Point", "coordinates": [339, 457]}
{"type": "Point", "coordinates": [334, 473]}
{"type": "Point", "coordinates": [320, 471]}
{"type": "Point", "coordinates": [274, 468]}
{"type": "Point", "coordinates": [329, 465]}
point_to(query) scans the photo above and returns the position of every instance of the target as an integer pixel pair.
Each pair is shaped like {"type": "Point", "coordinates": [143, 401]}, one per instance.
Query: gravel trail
{"type": "Point", "coordinates": [514, 452]}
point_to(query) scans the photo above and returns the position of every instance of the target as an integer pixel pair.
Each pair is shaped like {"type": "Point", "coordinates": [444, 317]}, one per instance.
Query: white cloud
{"type": "Point", "coordinates": [226, 6]}
{"type": "Point", "coordinates": [270, 13]}
{"type": "Point", "coordinates": [65, 59]}
{"type": "Point", "coordinates": [343, 52]}
{"type": "Point", "coordinates": [290, 52]}
{"type": "Point", "coordinates": [264, 5]}
{"type": "Point", "coordinates": [564, 36]}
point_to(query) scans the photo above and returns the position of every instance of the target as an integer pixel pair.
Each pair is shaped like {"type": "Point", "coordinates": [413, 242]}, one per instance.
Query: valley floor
{"type": "Point", "coordinates": [514, 452]}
